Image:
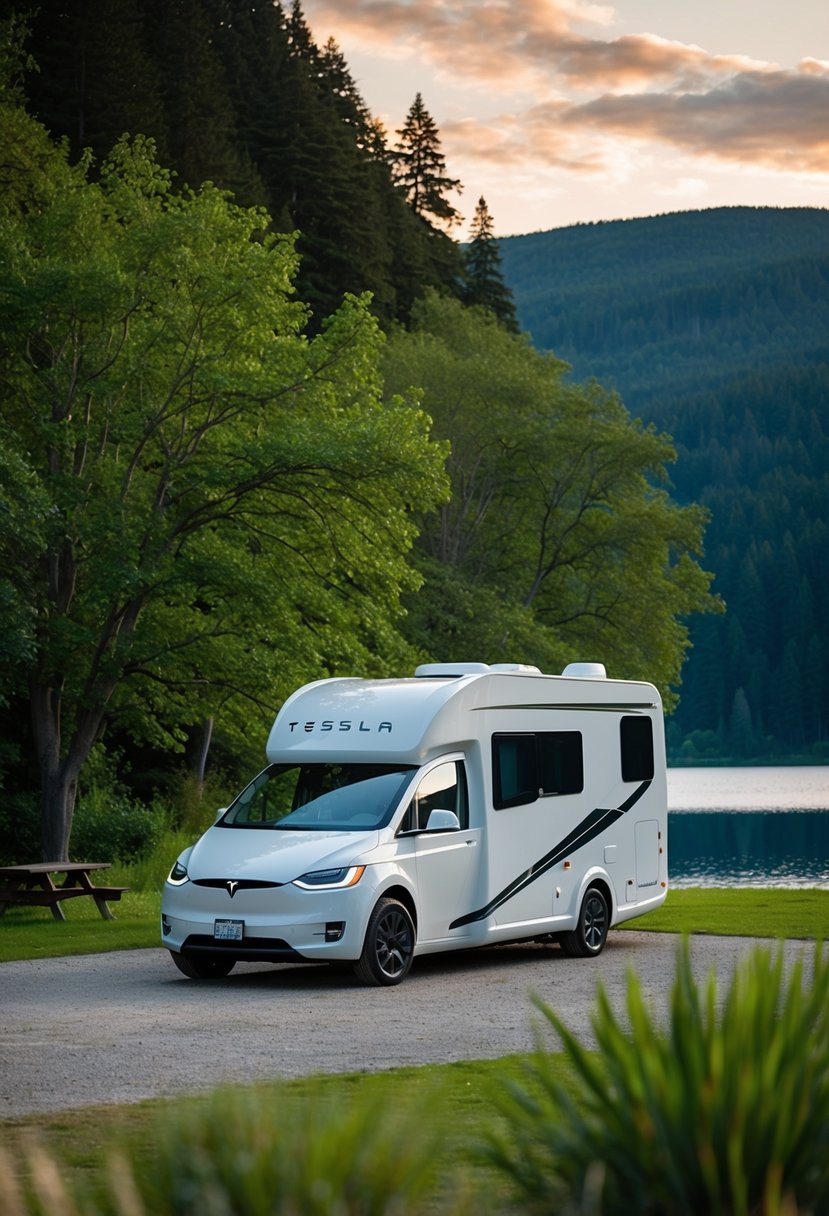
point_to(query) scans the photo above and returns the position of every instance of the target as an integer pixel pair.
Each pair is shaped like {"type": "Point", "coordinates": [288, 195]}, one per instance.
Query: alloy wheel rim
{"type": "Point", "coordinates": [393, 943]}
{"type": "Point", "coordinates": [594, 923]}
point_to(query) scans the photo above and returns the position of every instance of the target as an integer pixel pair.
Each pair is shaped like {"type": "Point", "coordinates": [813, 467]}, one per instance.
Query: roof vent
{"type": "Point", "coordinates": [451, 671]}
{"type": "Point", "coordinates": [586, 671]}
{"type": "Point", "coordinates": [515, 667]}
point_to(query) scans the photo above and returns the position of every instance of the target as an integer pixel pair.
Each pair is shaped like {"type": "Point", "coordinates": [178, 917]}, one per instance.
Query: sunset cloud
{"type": "Point", "coordinates": [778, 119]}
{"type": "Point", "coordinates": [495, 42]}
{"type": "Point", "coordinates": [546, 83]}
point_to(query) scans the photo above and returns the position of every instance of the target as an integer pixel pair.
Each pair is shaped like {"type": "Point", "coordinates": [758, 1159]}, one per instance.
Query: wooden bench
{"type": "Point", "coordinates": [33, 886]}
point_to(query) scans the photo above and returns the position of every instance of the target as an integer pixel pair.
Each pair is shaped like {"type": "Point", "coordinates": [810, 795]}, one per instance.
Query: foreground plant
{"type": "Point", "coordinates": [252, 1153]}
{"type": "Point", "coordinates": [724, 1111]}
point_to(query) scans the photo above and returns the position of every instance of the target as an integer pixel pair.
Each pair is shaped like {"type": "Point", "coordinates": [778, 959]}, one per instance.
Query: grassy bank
{"type": "Point", "coordinates": [745, 912]}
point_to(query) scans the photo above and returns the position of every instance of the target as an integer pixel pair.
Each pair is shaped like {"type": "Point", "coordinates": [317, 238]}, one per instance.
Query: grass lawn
{"type": "Point", "coordinates": [746, 912]}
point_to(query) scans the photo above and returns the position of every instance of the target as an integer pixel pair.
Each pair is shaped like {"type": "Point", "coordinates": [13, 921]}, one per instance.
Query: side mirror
{"type": "Point", "coordinates": [442, 821]}
{"type": "Point", "coordinates": [219, 814]}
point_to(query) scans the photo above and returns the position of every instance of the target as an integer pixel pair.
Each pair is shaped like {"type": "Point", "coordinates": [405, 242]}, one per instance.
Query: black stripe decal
{"type": "Point", "coordinates": [598, 821]}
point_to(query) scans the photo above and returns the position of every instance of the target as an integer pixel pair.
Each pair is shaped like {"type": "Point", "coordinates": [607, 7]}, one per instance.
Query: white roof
{"type": "Point", "coordinates": [408, 720]}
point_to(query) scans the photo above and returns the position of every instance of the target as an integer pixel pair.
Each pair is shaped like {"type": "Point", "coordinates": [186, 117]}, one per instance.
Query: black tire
{"type": "Point", "coordinates": [389, 946]}
{"type": "Point", "coordinates": [196, 967]}
{"type": "Point", "coordinates": [590, 934]}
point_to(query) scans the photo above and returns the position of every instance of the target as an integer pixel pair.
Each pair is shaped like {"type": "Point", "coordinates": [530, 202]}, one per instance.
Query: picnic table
{"type": "Point", "coordinates": [33, 886]}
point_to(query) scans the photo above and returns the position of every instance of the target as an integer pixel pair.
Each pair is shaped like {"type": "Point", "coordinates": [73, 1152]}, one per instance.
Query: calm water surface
{"type": "Point", "coordinates": [764, 827]}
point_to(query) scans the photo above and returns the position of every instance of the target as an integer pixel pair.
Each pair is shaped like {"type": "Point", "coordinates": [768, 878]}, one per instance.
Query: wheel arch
{"type": "Point", "coordinates": [404, 896]}
{"type": "Point", "coordinates": [598, 878]}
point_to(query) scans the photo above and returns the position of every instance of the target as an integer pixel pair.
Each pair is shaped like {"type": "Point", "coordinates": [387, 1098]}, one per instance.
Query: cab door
{"type": "Point", "coordinates": [448, 858]}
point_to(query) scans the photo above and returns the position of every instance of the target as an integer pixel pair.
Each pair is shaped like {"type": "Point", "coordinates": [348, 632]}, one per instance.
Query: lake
{"type": "Point", "coordinates": [749, 827]}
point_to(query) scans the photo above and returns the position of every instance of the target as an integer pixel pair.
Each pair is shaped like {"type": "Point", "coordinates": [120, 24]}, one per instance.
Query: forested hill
{"type": "Point", "coordinates": [715, 325]}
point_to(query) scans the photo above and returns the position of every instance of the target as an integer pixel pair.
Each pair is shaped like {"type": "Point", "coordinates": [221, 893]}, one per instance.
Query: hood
{"type": "Point", "coordinates": [271, 855]}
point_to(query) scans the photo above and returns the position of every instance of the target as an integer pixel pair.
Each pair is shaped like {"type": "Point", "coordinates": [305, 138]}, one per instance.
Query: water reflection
{"type": "Point", "coordinates": [749, 848]}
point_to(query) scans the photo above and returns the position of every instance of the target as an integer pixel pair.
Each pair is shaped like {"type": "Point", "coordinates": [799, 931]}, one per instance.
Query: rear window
{"type": "Point", "coordinates": [636, 739]}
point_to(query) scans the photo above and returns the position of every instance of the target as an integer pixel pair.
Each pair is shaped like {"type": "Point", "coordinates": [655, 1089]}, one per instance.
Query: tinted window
{"type": "Point", "coordinates": [443, 788]}
{"type": "Point", "coordinates": [526, 767]}
{"type": "Point", "coordinates": [561, 766]}
{"type": "Point", "coordinates": [636, 735]}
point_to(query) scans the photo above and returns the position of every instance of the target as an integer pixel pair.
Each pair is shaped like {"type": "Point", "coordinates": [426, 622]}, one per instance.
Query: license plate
{"type": "Point", "coordinates": [228, 930]}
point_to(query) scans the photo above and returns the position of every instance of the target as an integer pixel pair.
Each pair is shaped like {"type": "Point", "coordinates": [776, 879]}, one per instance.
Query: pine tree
{"type": "Point", "coordinates": [420, 168]}
{"type": "Point", "coordinates": [204, 141]}
{"type": "Point", "coordinates": [94, 77]}
{"type": "Point", "coordinates": [485, 284]}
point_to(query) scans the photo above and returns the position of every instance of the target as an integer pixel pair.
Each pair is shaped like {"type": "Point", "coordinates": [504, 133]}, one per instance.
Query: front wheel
{"type": "Point", "coordinates": [202, 968]}
{"type": "Point", "coordinates": [590, 934]}
{"type": "Point", "coordinates": [389, 946]}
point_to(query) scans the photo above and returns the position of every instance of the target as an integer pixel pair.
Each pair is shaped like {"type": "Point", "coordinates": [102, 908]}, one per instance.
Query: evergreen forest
{"type": "Point", "coordinates": [265, 420]}
{"type": "Point", "coordinates": [714, 325]}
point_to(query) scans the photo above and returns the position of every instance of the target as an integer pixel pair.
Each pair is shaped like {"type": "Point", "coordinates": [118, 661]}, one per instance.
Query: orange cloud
{"type": "Point", "coordinates": [636, 87]}
{"type": "Point", "coordinates": [495, 43]}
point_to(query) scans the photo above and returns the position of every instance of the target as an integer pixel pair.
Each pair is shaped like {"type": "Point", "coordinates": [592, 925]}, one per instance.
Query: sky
{"type": "Point", "coordinates": [563, 111]}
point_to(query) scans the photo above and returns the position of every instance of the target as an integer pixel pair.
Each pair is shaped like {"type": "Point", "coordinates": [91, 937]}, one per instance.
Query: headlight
{"type": "Point", "coordinates": [345, 876]}
{"type": "Point", "coordinates": [178, 874]}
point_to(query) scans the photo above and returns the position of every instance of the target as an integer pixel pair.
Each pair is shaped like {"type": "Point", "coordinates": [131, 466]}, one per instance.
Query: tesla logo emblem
{"type": "Point", "coordinates": [231, 888]}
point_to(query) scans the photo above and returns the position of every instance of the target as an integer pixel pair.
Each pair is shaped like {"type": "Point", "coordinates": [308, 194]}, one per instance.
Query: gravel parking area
{"type": "Point", "coordinates": [124, 1026]}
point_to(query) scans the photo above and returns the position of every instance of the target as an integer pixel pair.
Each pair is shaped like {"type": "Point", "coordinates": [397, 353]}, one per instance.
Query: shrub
{"type": "Point", "coordinates": [251, 1153]}
{"type": "Point", "coordinates": [724, 1111]}
{"type": "Point", "coordinates": [19, 827]}
{"type": "Point", "coordinates": [109, 824]}
{"type": "Point", "coordinates": [148, 872]}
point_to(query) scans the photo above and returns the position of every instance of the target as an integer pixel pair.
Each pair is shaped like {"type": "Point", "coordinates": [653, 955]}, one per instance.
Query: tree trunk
{"type": "Point", "coordinates": [58, 776]}
{"type": "Point", "coordinates": [58, 791]}
{"type": "Point", "coordinates": [204, 747]}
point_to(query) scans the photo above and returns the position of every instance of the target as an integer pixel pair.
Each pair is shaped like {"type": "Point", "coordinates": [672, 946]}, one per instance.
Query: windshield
{"type": "Point", "coordinates": [320, 797]}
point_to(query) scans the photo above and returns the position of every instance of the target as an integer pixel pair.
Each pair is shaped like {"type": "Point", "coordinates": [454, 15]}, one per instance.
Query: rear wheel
{"type": "Point", "coordinates": [202, 968]}
{"type": "Point", "coordinates": [590, 934]}
{"type": "Point", "coordinates": [389, 946]}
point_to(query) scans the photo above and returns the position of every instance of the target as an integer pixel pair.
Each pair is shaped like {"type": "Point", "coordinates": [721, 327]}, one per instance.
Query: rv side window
{"type": "Point", "coordinates": [526, 767]}
{"type": "Point", "coordinates": [636, 736]}
{"type": "Point", "coordinates": [560, 762]}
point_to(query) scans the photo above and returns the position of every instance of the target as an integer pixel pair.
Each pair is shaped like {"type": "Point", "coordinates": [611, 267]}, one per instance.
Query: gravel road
{"type": "Point", "coordinates": [124, 1026]}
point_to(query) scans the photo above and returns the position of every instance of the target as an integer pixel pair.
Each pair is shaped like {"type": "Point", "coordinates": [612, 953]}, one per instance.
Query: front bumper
{"type": "Point", "coordinates": [280, 924]}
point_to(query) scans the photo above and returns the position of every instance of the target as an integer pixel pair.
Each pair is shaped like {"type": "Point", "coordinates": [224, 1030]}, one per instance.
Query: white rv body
{"type": "Point", "coordinates": [513, 858]}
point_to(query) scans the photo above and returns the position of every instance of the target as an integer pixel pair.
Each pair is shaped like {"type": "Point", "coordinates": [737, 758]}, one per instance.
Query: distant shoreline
{"type": "Point", "coordinates": [732, 762]}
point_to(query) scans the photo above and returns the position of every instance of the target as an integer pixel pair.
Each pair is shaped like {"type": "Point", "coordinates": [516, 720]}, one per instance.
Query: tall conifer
{"type": "Point", "coordinates": [420, 168]}
{"type": "Point", "coordinates": [482, 264]}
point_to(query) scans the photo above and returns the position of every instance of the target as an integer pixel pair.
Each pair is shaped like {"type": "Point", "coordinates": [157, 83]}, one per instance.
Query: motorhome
{"type": "Point", "coordinates": [467, 805]}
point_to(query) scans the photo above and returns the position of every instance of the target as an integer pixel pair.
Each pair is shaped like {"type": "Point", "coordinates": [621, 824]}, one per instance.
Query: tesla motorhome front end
{"type": "Point", "coordinates": [465, 806]}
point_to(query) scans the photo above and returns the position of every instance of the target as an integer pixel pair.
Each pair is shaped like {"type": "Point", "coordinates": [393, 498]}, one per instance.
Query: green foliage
{"type": "Point", "coordinates": [241, 96]}
{"type": "Point", "coordinates": [108, 824]}
{"type": "Point", "coordinates": [254, 1157]}
{"type": "Point", "coordinates": [484, 284]}
{"type": "Point", "coordinates": [420, 167]}
{"type": "Point", "coordinates": [713, 324]}
{"type": "Point", "coordinates": [559, 541]}
{"type": "Point", "coordinates": [19, 827]}
{"type": "Point", "coordinates": [255, 1153]}
{"type": "Point", "coordinates": [217, 508]}
{"type": "Point", "coordinates": [725, 1111]}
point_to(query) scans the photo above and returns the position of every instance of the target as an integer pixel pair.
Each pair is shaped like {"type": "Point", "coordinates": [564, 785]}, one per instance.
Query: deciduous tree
{"type": "Point", "coordinates": [559, 541]}
{"type": "Point", "coordinates": [217, 506]}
